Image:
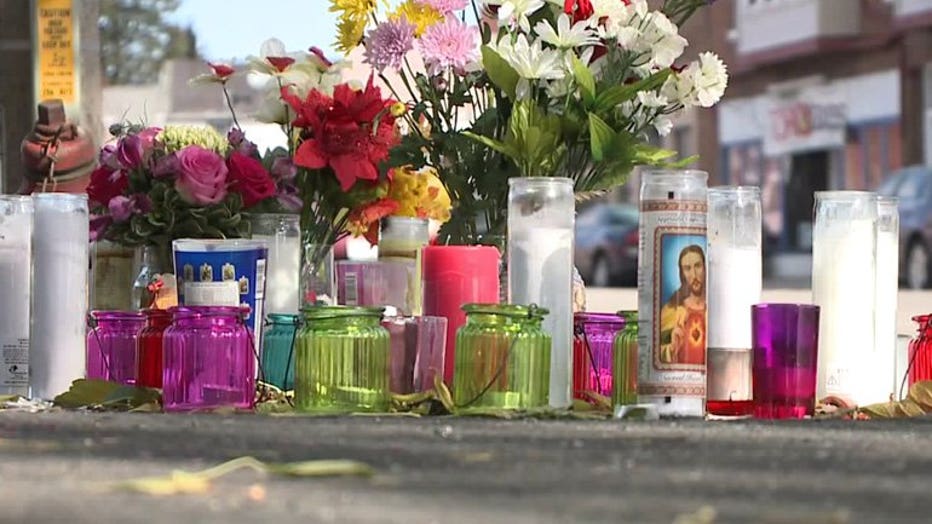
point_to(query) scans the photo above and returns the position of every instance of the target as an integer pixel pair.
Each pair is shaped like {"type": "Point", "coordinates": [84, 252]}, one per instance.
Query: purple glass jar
{"type": "Point", "coordinates": [111, 345]}
{"type": "Point", "coordinates": [209, 359]}
{"type": "Point", "coordinates": [593, 343]}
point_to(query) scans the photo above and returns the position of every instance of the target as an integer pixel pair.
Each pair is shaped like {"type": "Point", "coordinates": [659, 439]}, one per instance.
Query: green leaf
{"type": "Point", "coordinates": [321, 468]}
{"type": "Point", "coordinates": [500, 72]}
{"type": "Point", "coordinates": [93, 393]}
{"type": "Point", "coordinates": [611, 97]}
{"type": "Point", "coordinates": [601, 136]}
{"type": "Point", "coordinates": [496, 145]}
{"type": "Point", "coordinates": [584, 79]}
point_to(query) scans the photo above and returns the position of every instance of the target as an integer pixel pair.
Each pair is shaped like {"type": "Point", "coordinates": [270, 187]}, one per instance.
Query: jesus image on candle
{"type": "Point", "coordinates": [683, 316]}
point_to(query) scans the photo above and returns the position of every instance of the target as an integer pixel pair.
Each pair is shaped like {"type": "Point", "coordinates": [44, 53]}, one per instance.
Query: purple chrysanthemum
{"type": "Point", "coordinates": [446, 6]}
{"type": "Point", "coordinates": [388, 43]}
{"type": "Point", "coordinates": [449, 44]}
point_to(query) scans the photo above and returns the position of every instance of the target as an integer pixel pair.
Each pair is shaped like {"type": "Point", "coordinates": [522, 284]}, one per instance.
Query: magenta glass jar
{"type": "Point", "coordinates": [111, 345]}
{"type": "Point", "coordinates": [593, 346]}
{"type": "Point", "coordinates": [209, 359]}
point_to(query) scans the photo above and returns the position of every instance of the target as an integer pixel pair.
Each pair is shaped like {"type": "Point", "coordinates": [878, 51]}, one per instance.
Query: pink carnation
{"type": "Point", "coordinates": [449, 44]}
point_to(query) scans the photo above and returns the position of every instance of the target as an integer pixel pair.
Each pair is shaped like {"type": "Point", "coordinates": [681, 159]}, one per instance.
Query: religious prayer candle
{"type": "Point", "coordinates": [844, 266]}
{"type": "Point", "coordinates": [60, 274]}
{"type": "Point", "coordinates": [16, 216]}
{"type": "Point", "coordinates": [672, 292]}
{"type": "Point", "coordinates": [541, 218]}
{"type": "Point", "coordinates": [735, 282]}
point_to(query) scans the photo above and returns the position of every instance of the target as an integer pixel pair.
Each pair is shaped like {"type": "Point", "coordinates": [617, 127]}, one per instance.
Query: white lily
{"type": "Point", "coordinates": [532, 61]}
{"type": "Point", "coordinates": [516, 11]}
{"type": "Point", "coordinates": [566, 35]}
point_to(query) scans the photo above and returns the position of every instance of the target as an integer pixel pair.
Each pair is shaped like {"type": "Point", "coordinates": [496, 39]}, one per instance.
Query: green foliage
{"type": "Point", "coordinates": [136, 38]}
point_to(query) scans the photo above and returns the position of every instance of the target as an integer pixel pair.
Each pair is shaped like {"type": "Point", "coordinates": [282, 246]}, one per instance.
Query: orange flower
{"type": "Point", "coordinates": [364, 221]}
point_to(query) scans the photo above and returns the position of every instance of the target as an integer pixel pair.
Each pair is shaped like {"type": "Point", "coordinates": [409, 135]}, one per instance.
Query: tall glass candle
{"type": "Point", "coordinates": [735, 282]}
{"type": "Point", "coordinates": [672, 292]}
{"type": "Point", "coordinates": [16, 215]}
{"type": "Point", "coordinates": [541, 218]}
{"type": "Point", "coordinates": [844, 268]}
{"type": "Point", "coordinates": [888, 279]}
{"type": "Point", "coordinates": [60, 270]}
{"type": "Point", "coordinates": [282, 233]}
{"type": "Point", "coordinates": [401, 240]}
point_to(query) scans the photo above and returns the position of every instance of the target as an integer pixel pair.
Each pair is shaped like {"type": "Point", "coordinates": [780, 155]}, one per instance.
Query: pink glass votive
{"type": "Point", "coordinates": [373, 284]}
{"type": "Point", "coordinates": [417, 357]}
{"type": "Point", "coordinates": [785, 341]}
{"type": "Point", "coordinates": [209, 359]}
{"type": "Point", "coordinates": [593, 347]}
{"type": "Point", "coordinates": [111, 345]}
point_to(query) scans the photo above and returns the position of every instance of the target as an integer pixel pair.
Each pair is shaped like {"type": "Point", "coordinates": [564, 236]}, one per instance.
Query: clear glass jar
{"type": "Point", "coordinates": [61, 260]}
{"type": "Point", "coordinates": [593, 343]}
{"type": "Point", "coordinates": [111, 345]}
{"type": "Point", "coordinates": [16, 218]}
{"type": "Point", "coordinates": [625, 361]}
{"type": "Point", "coordinates": [844, 265]}
{"type": "Point", "coordinates": [735, 284]}
{"type": "Point", "coordinates": [887, 291]}
{"type": "Point", "coordinates": [209, 359]}
{"type": "Point", "coordinates": [149, 262]}
{"type": "Point", "coordinates": [318, 278]}
{"type": "Point", "coordinates": [502, 358]}
{"type": "Point", "coordinates": [541, 218]}
{"type": "Point", "coordinates": [672, 291]}
{"type": "Point", "coordinates": [278, 355]}
{"type": "Point", "coordinates": [282, 233]}
{"type": "Point", "coordinates": [401, 240]}
{"type": "Point", "coordinates": [149, 348]}
{"type": "Point", "coordinates": [342, 361]}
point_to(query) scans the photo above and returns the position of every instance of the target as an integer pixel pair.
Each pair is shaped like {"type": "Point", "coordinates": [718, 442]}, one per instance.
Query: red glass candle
{"type": "Point", "coordinates": [920, 351]}
{"type": "Point", "coordinates": [453, 276]}
{"type": "Point", "coordinates": [149, 348]}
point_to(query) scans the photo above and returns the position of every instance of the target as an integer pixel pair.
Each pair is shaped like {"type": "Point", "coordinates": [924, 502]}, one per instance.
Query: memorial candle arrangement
{"type": "Point", "coordinates": [541, 218]}
{"type": "Point", "coordinates": [735, 282]}
{"type": "Point", "coordinates": [844, 269]}
{"type": "Point", "coordinates": [16, 217]}
{"type": "Point", "coordinates": [60, 269]}
{"type": "Point", "coordinates": [672, 292]}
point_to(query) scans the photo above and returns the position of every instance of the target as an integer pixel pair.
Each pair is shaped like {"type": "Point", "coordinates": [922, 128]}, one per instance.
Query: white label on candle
{"type": "Point", "coordinates": [224, 293]}
{"type": "Point", "coordinates": [14, 362]}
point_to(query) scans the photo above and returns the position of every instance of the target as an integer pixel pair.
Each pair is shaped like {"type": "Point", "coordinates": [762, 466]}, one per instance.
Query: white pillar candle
{"type": "Point", "coordinates": [282, 233]}
{"type": "Point", "coordinates": [843, 284]}
{"type": "Point", "coordinates": [541, 217]}
{"type": "Point", "coordinates": [888, 239]}
{"type": "Point", "coordinates": [60, 270]}
{"type": "Point", "coordinates": [735, 282]}
{"type": "Point", "coordinates": [16, 215]}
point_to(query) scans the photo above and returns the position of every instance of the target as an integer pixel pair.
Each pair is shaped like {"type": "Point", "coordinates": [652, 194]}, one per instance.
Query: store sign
{"type": "Point", "coordinates": [55, 51]}
{"type": "Point", "coordinates": [815, 119]}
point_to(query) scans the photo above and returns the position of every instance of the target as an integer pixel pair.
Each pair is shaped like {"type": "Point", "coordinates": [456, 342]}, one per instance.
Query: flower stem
{"type": "Point", "coordinates": [226, 95]}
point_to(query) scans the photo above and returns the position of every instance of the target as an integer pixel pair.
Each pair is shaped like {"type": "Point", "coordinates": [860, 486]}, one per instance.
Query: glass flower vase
{"type": "Point", "coordinates": [318, 278]}
{"type": "Point", "coordinates": [149, 262]}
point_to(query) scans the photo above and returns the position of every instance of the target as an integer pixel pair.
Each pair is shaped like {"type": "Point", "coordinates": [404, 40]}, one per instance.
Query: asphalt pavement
{"type": "Point", "coordinates": [54, 466]}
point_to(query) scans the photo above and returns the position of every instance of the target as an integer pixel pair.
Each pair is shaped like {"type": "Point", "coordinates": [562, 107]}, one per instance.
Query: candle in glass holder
{"type": "Point", "coordinates": [844, 268]}
{"type": "Point", "coordinates": [16, 215]}
{"type": "Point", "coordinates": [282, 233]}
{"type": "Point", "coordinates": [735, 282]}
{"type": "Point", "coordinates": [672, 292]}
{"type": "Point", "coordinates": [888, 244]}
{"type": "Point", "coordinates": [541, 216]}
{"type": "Point", "coordinates": [401, 240]}
{"type": "Point", "coordinates": [60, 275]}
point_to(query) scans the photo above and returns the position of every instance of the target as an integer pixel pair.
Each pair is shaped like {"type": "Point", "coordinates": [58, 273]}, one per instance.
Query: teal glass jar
{"type": "Point", "coordinates": [625, 361]}
{"type": "Point", "coordinates": [278, 355]}
{"type": "Point", "coordinates": [342, 358]}
{"type": "Point", "coordinates": [502, 359]}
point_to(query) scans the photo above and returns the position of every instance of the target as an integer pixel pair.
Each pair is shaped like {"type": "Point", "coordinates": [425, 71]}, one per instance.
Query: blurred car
{"type": "Point", "coordinates": [607, 245]}
{"type": "Point", "coordinates": [913, 187]}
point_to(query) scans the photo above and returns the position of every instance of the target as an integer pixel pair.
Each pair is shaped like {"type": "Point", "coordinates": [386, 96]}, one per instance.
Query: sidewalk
{"type": "Point", "coordinates": [454, 470]}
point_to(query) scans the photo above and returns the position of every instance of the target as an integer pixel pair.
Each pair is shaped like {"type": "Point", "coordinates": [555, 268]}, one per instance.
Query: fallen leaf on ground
{"type": "Point", "coordinates": [92, 393]}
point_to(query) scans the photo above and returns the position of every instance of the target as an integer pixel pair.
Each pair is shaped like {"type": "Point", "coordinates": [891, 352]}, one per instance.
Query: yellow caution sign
{"type": "Point", "coordinates": [55, 49]}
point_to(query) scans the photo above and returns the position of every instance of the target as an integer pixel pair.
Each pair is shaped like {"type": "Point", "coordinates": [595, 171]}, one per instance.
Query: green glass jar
{"type": "Point", "coordinates": [342, 361]}
{"type": "Point", "coordinates": [278, 342]}
{"type": "Point", "coordinates": [625, 361]}
{"type": "Point", "coordinates": [502, 358]}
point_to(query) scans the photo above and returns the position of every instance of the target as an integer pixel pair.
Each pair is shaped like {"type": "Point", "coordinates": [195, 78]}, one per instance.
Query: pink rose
{"type": "Point", "coordinates": [202, 176]}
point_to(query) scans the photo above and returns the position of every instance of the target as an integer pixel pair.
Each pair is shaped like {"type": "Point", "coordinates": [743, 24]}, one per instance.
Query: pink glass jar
{"type": "Point", "coordinates": [593, 344]}
{"type": "Point", "coordinates": [111, 345]}
{"type": "Point", "coordinates": [209, 360]}
{"type": "Point", "coordinates": [920, 351]}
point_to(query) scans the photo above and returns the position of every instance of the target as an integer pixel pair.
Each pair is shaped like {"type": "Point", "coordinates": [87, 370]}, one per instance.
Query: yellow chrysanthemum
{"type": "Point", "coordinates": [350, 31]}
{"type": "Point", "coordinates": [420, 194]}
{"type": "Point", "coordinates": [355, 9]}
{"type": "Point", "coordinates": [421, 15]}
